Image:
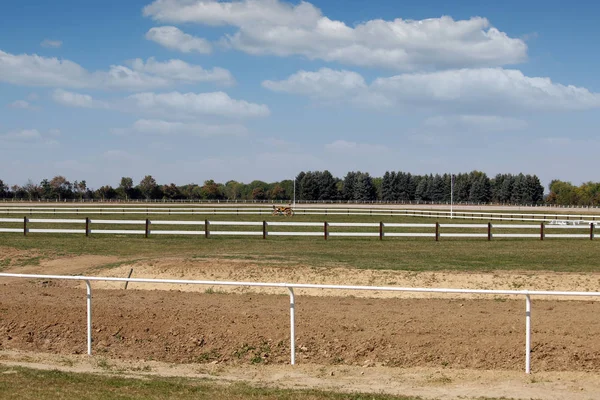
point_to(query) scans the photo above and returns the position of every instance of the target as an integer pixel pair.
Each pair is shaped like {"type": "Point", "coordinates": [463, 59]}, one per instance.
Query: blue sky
{"type": "Point", "coordinates": [190, 90]}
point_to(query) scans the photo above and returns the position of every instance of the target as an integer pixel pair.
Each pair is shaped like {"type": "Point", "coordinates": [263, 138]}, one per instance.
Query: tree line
{"type": "Point", "coordinates": [355, 186]}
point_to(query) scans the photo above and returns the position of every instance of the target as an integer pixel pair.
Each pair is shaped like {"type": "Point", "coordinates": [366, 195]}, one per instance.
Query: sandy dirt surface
{"type": "Point", "coordinates": [251, 271]}
{"type": "Point", "coordinates": [255, 270]}
{"type": "Point", "coordinates": [435, 383]}
{"type": "Point", "coordinates": [251, 328]}
{"type": "Point", "coordinates": [444, 347]}
{"type": "Point", "coordinates": [433, 348]}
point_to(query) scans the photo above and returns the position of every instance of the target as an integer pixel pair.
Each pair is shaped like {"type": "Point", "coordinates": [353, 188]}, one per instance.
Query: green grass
{"type": "Point", "coordinates": [413, 254]}
{"type": "Point", "coordinates": [418, 254]}
{"type": "Point", "coordinates": [31, 384]}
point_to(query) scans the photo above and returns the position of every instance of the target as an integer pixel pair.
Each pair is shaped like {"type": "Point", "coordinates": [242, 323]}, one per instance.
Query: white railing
{"type": "Point", "coordinates": [229, 209]}
{"type": "Point", "coordinates": [291, 286]}
{"type": "Point", "coordinates": [381, 229]}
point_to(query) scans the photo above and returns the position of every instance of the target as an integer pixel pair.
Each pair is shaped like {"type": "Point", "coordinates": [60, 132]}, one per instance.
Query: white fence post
{"type": "Point", "coordinates": [89, 317]}
{"type": "Point", "coordinates": [292, 326]}
{"type": "Point", "coordinates": [527, 334]}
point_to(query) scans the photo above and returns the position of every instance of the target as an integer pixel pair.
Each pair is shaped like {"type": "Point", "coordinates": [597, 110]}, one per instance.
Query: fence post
{"type": "Point", "coordinates": [206, 231]}
{"type": "Point", "coordinates": [542, 231]}
{"type": "Point", "coordinates": [489, 231]}
{"type": "Point", "coordinates": [527, 334]}
{"type": "Point", "coordinates": [25, 226]}
{"type": "Point", "coordinates": [437, 231]}
{"type": "Point", "coordinates": [89, 317]}
{"type": "Point", "coordinates": [147, 228]}
{"type": "Point", "coordinates": [292, 326]}
{"type": "Point", "coordinates": [380, 230]}
{"type": "Point", "coordinates": [87, 226]}
{"type": "Point", "coordinates": [591, 231]}
{"type": "Point", "coordinates": [264, 229]}
{"type": "Point", "coordinates": [325, 233]}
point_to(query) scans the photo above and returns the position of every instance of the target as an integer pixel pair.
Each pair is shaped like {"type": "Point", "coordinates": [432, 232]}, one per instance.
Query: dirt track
{"type": "Point", "coordinates": [253, 328]}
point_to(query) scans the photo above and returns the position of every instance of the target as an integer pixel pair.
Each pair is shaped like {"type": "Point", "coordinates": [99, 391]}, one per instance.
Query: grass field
{"type": "Point", "coordinates": [25, 384]}
{"type": "Point", "coordinates": [31, 384]}
{"type": "Point", "coordinates": [414, 254]}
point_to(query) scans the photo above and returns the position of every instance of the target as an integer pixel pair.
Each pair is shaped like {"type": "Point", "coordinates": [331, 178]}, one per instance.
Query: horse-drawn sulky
{"type": "Point", "coordinates": [283, 210]}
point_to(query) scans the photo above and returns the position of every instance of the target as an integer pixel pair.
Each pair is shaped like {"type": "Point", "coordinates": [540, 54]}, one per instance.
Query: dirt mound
{"type": "Point", "coordinates": [215, 269]}
{"type": "Point", "coordinates": [254, 329]}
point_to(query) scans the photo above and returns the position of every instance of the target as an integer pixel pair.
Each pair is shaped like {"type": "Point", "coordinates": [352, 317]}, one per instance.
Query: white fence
{"type": "Point", "coordinates": [323, 229]}
{"type": "Point", "coordinates": [224, 209]}
{"type": "Point", "coordinates": [291, 286]}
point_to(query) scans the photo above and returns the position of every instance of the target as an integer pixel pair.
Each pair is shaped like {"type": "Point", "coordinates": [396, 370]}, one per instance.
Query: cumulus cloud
{"type": "Point", "coordinates": [283, 29]}
{"type": "Point", "coordinates": [213, 103]}
{"type": "Point", "coordinates": [181, 71]}
{"type": "Point", "coordinates": [22, 135]}
{"type": "Point", "coordinates": [21, 104]}
{"type": "Point", "coordinates": [72, 99]}
{"type": "Point", "coordinates": [51, 43]}
{"type": "Point", "coordinates": [324, 83]}
{"type": "Point", "coordinates": [174, 39]}
{"type": "Point", "coordinates": [162, 127]}
{"type": "Point", "coordinates": [479, 91]}
{"type": "Point", "coordinates": [25, 139]}
{"type": "Point", "coordinates": [34, 70]}
{"type": "Point", "coordinates": [487, 87]}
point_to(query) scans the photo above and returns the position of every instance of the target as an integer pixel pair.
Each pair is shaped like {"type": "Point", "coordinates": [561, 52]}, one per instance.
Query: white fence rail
{"type": "Point", "coordinates": [249, 228]}
{"type": "Point", "coordinates": [225, 209]}
{"type": "Point", "coordinates": [291, 286]}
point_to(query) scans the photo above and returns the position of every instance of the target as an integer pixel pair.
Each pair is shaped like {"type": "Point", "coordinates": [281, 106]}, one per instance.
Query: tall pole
{"type": "Point", "coordinates": [451, 195]}
{"type": "Point", "coordinates": [294, 192]}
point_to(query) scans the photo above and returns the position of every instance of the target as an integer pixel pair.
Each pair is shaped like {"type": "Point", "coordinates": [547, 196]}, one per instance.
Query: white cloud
{"type": "Point", "coordinates": [481, 123]}
{"type": "Point", "coordinates": [343, 146]}
{"type": "Point", "coordinates": [51, 43]}
{"type": "Point", "coordinates": [465, 91]}
{"type": "Point", "coordinates": [34, 70]}
{"type": "Point", "coordinates": [25, 139]}
{"type": "Point", "coordinates": [162, 127]}
{"type": "Point", "coordinates": [21, 104]}
{"type": "Point", "coordinates": [486, 88]}
{"type": "Point", "coordinates": [174, 39]}
{"type": "Point", "coordinates": [72, 99]}
{"type": "Point", "coordinates": [22, 135]}
{"type": "Point", "coordinates": [214, 103]}
{"type": "Point", "coordinates": [283, 29]}
{"type": "Point", "coordinates": [324, 83]}
{"type": "Point", "coordinates": [181, 71]}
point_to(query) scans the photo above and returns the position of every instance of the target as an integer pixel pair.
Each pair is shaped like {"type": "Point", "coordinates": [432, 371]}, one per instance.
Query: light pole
{"type": "Point", "coordinates": [294, 192]}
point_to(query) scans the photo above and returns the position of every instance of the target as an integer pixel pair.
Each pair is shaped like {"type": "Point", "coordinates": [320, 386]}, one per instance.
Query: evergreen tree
{"type": "Point", "coordinates": [437, 189]}
{"type": "Point", "coordinates": [348, 186]}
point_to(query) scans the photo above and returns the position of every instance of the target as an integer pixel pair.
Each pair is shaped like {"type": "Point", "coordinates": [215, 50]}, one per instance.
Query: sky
{"type": "Point", "coordinates": [191, 90]}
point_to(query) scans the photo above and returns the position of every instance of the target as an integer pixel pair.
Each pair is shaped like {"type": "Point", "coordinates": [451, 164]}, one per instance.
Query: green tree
{"type": "Point", "coordinates": [125, 188]}
{"type": "Point", "coordinates": [211, 190]}
{"type": "Point", "coordinates": [61, 188]}
{"type": "Point", "coordinates": [106, 192]}
{"type": "Point", "coordinates": [171, 192]}
{"type": "Point", "coordinates": [277, 192]}
{"type": "Point", "coordinates": [148, 188]}
{"type": "Point", "coordinates": [3, 190]}
{"type": "Point", "coordinates": [364, 190]}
